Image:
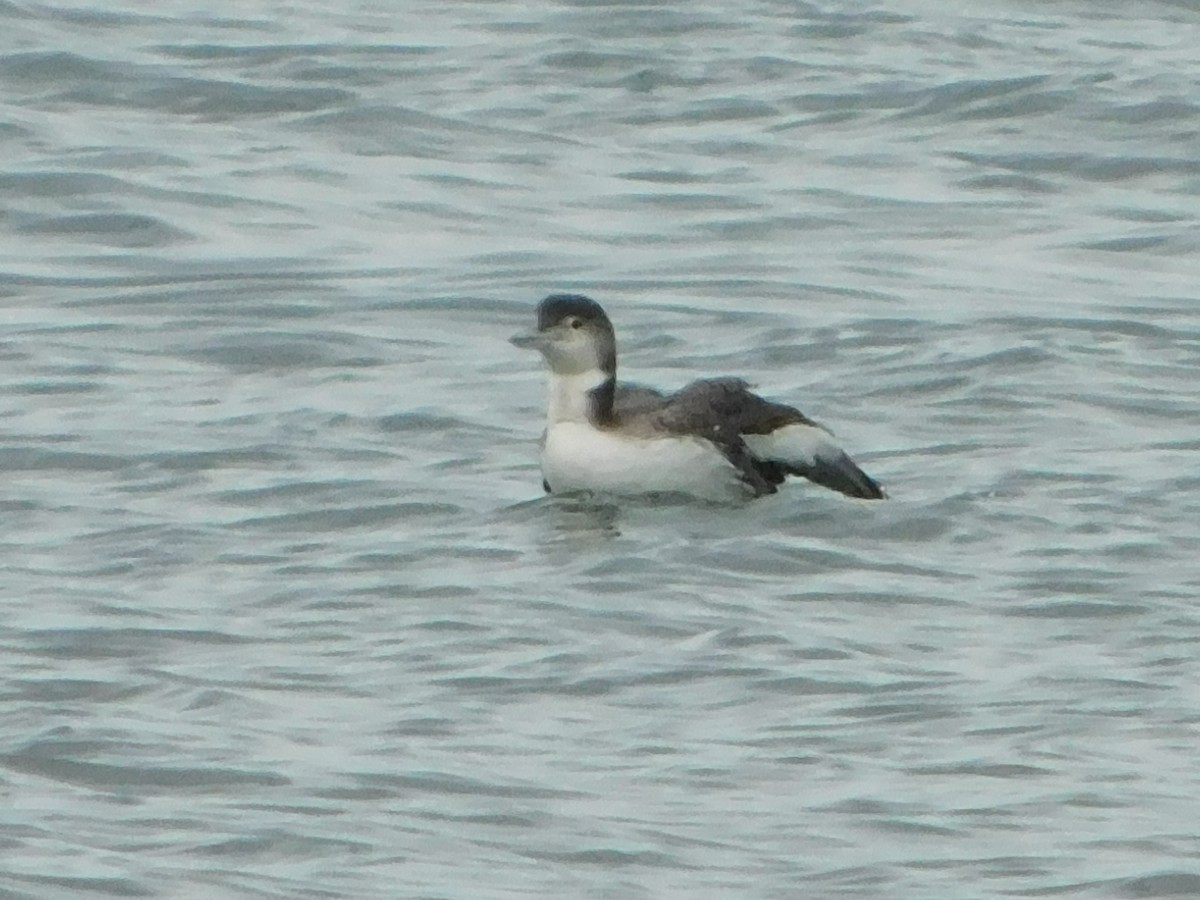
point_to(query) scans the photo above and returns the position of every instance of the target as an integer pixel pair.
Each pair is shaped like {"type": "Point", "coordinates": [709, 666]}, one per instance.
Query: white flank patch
{"type": "Point", "coordinates": [797, 444]}
{"type": "Point", "coordinates": [580, 457]}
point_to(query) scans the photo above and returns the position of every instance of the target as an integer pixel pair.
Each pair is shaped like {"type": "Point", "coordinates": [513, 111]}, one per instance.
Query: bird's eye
{"type": "Point", "coordinates": [577, 323]}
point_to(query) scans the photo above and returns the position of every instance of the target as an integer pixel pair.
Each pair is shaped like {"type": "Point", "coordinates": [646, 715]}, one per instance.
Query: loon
{"type": "Point", "coordinates": [713, 440]}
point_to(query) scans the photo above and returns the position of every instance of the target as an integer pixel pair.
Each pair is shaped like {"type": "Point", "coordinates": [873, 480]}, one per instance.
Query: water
{"type": "Point", "coordinates": [284, 613]}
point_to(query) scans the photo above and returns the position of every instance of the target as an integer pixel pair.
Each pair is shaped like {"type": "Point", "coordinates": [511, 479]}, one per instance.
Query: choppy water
{"type": "Point", "coordinates": [284, 613]}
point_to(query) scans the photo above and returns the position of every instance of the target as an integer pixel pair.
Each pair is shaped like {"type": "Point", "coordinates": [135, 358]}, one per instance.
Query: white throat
{"type": "Point", "coordinates": [569, 396]}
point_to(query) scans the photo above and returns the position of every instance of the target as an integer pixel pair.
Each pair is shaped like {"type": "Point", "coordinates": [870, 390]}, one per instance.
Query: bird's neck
{"type": "Point", "coordinates": [582, 397]}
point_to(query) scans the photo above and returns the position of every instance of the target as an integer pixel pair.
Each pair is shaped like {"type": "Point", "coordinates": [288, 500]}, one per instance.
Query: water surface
{"type": "Point", "coordinates": [285, 613]}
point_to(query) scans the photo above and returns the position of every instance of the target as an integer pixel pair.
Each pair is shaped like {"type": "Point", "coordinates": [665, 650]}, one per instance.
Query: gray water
{"type": "Point", "coordinates": [284, 612]}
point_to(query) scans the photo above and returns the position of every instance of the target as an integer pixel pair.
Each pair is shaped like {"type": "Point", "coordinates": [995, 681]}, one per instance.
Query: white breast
{"type": "Point", "coordinates": [579, 457]}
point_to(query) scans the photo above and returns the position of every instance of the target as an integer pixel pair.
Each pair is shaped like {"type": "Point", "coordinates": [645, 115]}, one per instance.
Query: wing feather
{"type": "Point", "coordinates": [765, 440]}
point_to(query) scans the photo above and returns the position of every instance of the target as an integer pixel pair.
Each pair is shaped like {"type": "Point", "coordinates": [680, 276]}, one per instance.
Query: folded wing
{"type": "Point", "coordinates": [766, 441]}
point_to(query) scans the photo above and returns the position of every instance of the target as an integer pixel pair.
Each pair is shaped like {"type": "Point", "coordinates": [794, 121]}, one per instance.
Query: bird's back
{"type": "Point", "coordinates": [764, 440]}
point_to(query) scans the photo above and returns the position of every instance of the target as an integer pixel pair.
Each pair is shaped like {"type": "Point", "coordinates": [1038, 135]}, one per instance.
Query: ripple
{"type": "Point", "coordinates": [277, 350]}
{"type": "Point", "coordinates": [335, 519]}
{"type": "Point", "coordinates": [1089, 167]}
{"type": "Point", "coordinates": [107, 775]}
{"type": "Point", "coordinates": [1161, 884]}
{"type": "Point", "coordinates": [110, 229]}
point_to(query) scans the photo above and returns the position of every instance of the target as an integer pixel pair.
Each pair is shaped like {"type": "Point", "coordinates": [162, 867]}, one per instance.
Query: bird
{"type": "Point", "coordinates": [713, 440]}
